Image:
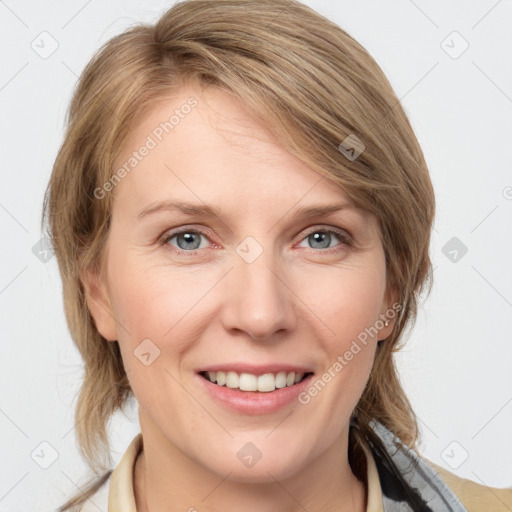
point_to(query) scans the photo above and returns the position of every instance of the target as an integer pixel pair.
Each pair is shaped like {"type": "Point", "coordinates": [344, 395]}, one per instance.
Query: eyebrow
{"type": "Point", "coordinates": [304, 212]}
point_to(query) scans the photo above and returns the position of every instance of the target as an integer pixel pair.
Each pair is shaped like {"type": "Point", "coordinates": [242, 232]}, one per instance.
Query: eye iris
{"type": "Point", "coordinates": [322, 237]}
{"type": "Point", "coordinates": [186, 240]}
{"type": "Point", "coordinates": [189, 239]}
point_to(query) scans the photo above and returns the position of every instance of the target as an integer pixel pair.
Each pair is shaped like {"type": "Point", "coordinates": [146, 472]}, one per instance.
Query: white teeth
{"type": "Point", "coordinates": [232, 380]}
{"type": "Point", "coordinates": [221, 378]}
{"type": "Point", "coordinates": [281, 379]}
{"type": "Point", "coordinates": [249, 382]}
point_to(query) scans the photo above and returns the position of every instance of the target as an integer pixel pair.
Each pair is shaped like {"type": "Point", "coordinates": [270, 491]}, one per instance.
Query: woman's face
{"type": "Point", "coordinates": [259, 284]}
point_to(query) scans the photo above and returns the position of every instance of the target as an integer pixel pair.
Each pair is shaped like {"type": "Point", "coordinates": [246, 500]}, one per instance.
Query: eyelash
{"type": "Point", "coordinates": [344, 238]}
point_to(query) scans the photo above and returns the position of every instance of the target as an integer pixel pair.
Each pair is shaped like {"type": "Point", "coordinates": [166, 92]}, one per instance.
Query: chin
{"type": "Point", "coordinates": [260, 473]}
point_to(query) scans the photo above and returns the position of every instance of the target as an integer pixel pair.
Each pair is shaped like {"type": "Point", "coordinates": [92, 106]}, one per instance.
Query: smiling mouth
{"type": "Point", "coordinates": [248, 382]}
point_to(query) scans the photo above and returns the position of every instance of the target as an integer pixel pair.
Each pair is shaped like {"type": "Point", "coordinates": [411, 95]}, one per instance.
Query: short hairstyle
{"type": "Point", "coordinates": [316, 89]}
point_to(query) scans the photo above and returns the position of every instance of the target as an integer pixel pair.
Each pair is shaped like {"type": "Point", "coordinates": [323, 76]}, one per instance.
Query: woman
{"type": "Point", "coordinates": [205, 157]}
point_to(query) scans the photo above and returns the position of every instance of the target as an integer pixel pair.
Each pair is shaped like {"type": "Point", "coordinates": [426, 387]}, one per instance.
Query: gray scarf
{"type": "Point", "coordinates": [408, 483]}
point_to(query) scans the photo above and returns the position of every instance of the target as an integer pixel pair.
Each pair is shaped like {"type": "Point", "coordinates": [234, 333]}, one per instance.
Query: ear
{"type": "Point", "coordinates": [390, 311]}
{"type": "Point", "coordinates": [98, 302]}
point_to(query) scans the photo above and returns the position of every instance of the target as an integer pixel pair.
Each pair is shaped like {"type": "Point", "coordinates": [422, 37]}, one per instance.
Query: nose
{"type": "Point", "coordinates": [259, 302]}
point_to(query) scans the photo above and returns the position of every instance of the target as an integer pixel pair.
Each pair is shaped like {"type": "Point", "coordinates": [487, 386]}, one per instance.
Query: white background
{"type": "Point", "coordinates": [456, 366]}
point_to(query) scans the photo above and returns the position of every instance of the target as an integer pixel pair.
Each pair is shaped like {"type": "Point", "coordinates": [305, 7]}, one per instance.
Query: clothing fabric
{"type": "Point", "coordinates": [397, 480]}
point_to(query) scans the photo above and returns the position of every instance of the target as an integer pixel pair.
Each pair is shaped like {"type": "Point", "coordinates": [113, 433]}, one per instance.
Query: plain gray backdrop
{"type": "Point", "coordinates": [449, 63]}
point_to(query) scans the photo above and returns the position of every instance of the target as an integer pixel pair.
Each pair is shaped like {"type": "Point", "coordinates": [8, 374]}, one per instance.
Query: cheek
{"type": "Point", "coordinates": [152, 301]}
{"type": "Point", "coordinates": [153, 309]}
{"type": "Point", "coordinates": [348, 303]}
{"type": "Point", "coordinates": [347, 299]}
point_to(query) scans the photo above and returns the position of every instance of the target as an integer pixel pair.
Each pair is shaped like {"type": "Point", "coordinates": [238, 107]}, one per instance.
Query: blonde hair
{"type": "Point", "coordinates": [313, 86]}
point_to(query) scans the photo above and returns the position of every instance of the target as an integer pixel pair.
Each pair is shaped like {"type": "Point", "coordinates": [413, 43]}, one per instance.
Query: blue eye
{"type": "Point", "coordinates": [324, 237]}
{"type": "Point", "coordinates": [188, 241]}
{"type": "Point", "coordinates": [191, 240]}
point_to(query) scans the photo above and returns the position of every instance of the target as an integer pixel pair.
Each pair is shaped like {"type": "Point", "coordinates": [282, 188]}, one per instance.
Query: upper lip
{"type": "Point", "coordinates": [255, 369]}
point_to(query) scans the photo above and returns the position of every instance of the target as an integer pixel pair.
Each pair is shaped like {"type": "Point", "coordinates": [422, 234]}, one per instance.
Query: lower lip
{"type": "Point", "coordinates": [255, 402]}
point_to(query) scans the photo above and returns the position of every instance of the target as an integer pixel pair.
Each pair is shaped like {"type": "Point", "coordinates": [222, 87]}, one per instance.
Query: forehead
{"type": "Point", "coordinates": [204, 146]}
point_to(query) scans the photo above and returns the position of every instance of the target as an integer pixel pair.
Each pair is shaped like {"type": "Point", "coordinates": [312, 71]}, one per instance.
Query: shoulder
{"type": "Point", "coordinates": [474, 496]}
{"type": "Point", "coordinates": [402, 469]}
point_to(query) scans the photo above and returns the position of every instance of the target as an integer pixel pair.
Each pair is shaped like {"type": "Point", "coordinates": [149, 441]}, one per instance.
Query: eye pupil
{"type": "Point", "coordinates": [321, 237]}
{"type": "Point", "coordinates": [188, 237]}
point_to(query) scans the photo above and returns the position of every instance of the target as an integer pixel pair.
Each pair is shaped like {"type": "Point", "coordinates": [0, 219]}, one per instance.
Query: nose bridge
{"type": "Point", "coordinates": [260, 303]}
